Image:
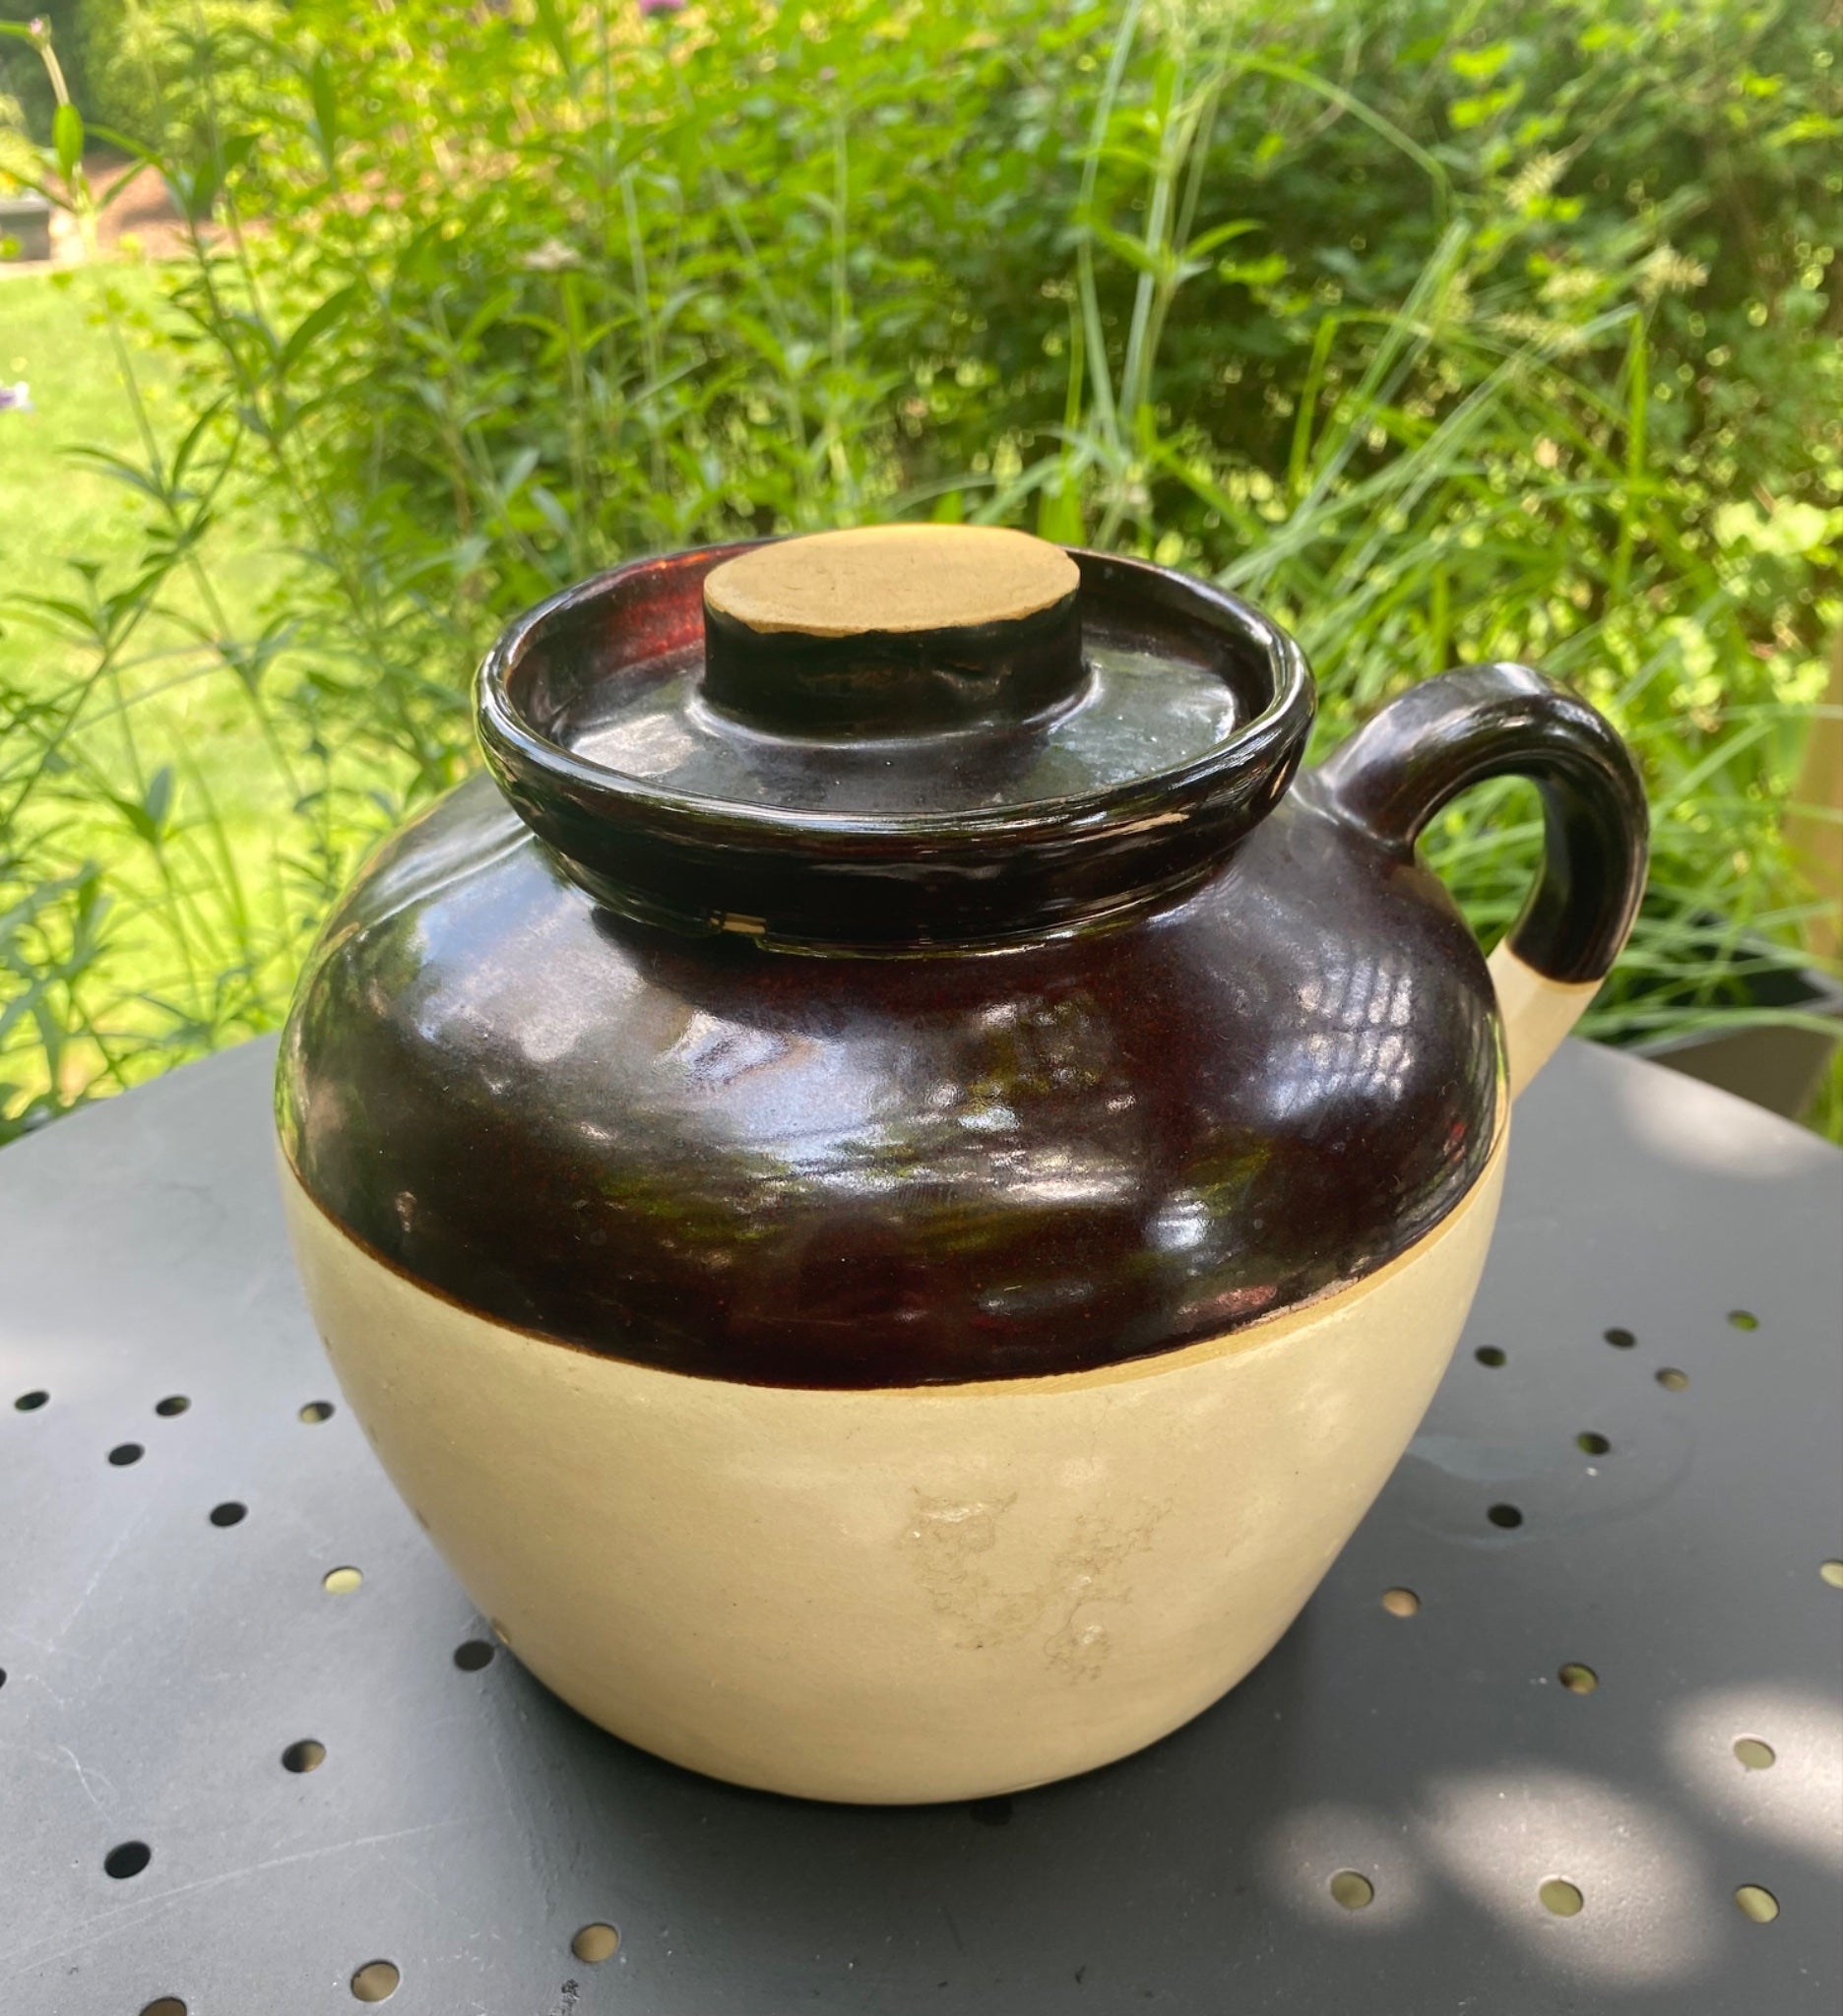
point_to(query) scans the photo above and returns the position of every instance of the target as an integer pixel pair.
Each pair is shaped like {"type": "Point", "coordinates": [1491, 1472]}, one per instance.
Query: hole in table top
{"type": "Point", "coordinates": [377, 1980]}
{"type": "Point", "coordinates": [341, 1581]}
{"type": "Point", "coordinates": [595, 1943]}
{"type": "Point", "coordinates": [1671, 1380]}
{"type": "Point", "coordinates": [1753, 1755]}
{"type": "Point", "coordinates": [306, 1755]}
{"type": "Point", "coordinates": [174, 1404]}
{"type": "Point", "coordinates": [229, 1513]}
{"type": "Point", "coordinates": [473, 1655]}
{"type": "Point", "coordinates": [31, 1403]}
{"type": "Point", "coordinates": [164, 2005]}
{"type": "Point", "coordinates": [1352, 1889]}
{"type": "Point", "coordinates": [1832, 1573]}
{"type": "Point", "coordinates": [1743, 1319]}
{"type": "Point", "coordinates": [127, 1858]}
{"type": "Point", "coordinates": [1620, 1340]}
{"type": "Point", "coordinates": [991, 1812]}
{"type": "Point", "coordinates": [125, 1453]}
{"type": "Point", "coordinates": [1561, 1897]}
{"type": "Point", "coordinates": [317, 1411]}
{"type": "Point", "coordinates": [1505, 1516]}
{"type": "Point", "coordinates": [1578, 1678]}
{"type": "Point", "coordinates": [1400, 1602]}
{"type": "Point", "coordinates": [1591, 1444]}
{"type": "Point", "coordinates": [1761, 1906]}
{"type": "Point", "coordinates": [1489, 1354]}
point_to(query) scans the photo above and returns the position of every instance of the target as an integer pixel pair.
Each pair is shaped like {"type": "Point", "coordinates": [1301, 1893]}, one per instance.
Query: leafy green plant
{"type": "Point", "coordinates": [141, 916]}
{"type": "Point", "coordinates": [25, 80]}
{"type": "Point", "coordinates": [1470, 481]}
{"type": "Point", "coordinates": [1446, 337]}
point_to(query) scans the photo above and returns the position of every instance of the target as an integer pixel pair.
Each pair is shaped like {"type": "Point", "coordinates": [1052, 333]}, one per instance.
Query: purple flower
{"type": "Point", "coordinates": [17, 397]}
{"type": "Point", "coordinates": [649, 8]}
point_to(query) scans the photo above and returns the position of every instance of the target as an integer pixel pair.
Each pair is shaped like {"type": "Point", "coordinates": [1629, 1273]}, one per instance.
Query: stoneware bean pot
{"type": "Point", "coordinates": [892, 1182]}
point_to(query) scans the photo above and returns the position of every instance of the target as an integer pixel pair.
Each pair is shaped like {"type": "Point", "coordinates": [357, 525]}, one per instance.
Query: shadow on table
{"type": "Point", "coordinates": [1211, 1865]}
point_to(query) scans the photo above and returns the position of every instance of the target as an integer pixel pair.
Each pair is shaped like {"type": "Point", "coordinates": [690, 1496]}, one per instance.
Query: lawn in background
{"type": "Point", "coordinates": [101, 750]}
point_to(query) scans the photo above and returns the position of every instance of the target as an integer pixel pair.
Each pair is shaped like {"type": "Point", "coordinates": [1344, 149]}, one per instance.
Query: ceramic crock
{"type": "Point", "coordinates": [892, 1182]}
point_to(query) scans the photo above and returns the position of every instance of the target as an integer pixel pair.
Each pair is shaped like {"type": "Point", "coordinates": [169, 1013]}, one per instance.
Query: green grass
{"type": "Point", "coordinates": [60, 514]}
{"type": "Point", "coordinates": [49, 336]}
{"type": "Point", "coordinates": [133, 770]}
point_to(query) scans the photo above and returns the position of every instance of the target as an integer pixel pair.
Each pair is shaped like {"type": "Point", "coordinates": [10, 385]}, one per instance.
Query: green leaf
{"type": "Point", "coordinates": [1475, 65]}
{"type": "Point", "coordinates": [67, 136]}
{"type": "Point", "coordinates": [323, 90]}
{"type": "Point", "coordinates": [518, 471]}
{"type": "Point", "coordinates": [1254, 273]}
{"type": "Point", "coordinates": [554, 515]}
{"type": "Point", "coordinates": [197, 433]}
{"type": "Point", "coordinates": [314, 325]}
{"type": "Point", "coordinates": [1469, 112]}
{"type": "Point", "coordinates": [194, 190]}
{"type": "Point", "coordinates": [157, 801]}
{"type": "Point", "coordinates": [1200, 248]}
{"type": "Point", "coordinates": [1807, 126]}
{"type": "Point", "coordinates": [1059, 514]}
{"type": "Point", "coordinates": [1131, 250]}
{"type": "Point", "coordinates": [118, 468]}
{"type": "Point", "coordinates": [556, 33]}
{"type": "Point", "coordinates": [148, 815]}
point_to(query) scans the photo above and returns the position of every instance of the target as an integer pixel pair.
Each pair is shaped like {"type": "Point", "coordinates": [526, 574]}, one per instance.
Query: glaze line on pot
{"type": "Point", "coordinates": [897, 1595]}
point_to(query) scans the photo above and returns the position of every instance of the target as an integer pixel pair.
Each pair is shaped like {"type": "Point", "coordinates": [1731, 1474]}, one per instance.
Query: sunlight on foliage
{"type": "Point", "coordinates": [1446, 338]}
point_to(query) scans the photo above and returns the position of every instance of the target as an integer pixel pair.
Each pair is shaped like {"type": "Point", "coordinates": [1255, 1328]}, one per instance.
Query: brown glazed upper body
{"type": "Point", "coordinates": [841, 1052]}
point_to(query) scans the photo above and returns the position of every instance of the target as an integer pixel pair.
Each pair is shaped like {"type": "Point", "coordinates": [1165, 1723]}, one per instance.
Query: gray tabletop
{"type": "Point", "coordinates": [1407, 1807]}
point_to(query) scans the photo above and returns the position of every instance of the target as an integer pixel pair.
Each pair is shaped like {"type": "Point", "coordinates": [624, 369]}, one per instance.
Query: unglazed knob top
{"type": "Point", "coordinates": [896, 579]}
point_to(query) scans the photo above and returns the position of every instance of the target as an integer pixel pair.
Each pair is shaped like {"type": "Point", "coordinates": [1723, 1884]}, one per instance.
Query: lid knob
{"type": "Point", "coordinates": [893, 630]}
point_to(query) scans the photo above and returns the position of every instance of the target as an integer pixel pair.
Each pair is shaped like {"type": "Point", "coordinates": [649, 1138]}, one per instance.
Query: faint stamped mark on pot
{"type": "Point", "coordinates": [997, 1595]}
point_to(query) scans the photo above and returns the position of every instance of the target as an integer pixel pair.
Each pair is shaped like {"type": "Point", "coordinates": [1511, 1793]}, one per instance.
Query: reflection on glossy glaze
{"type": "Point", "coordinates": [1446, 734]}
{"type": "Point", "coordinates": [1048, 1083]}
{"type": "Point", "coordinates": [853, 1172]}
{"type": "Point", "coordinates": [1184, 721]}
{"type": "Point", "coordinates": [660, 733]}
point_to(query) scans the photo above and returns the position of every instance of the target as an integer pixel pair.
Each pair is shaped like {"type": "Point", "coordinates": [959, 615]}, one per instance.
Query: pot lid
{"type": "Point", "coordinates": [892, 737]}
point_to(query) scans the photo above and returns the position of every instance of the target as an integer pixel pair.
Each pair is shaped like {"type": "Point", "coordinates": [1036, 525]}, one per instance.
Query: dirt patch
{"type": "Point", "coordinates": [140, 219]}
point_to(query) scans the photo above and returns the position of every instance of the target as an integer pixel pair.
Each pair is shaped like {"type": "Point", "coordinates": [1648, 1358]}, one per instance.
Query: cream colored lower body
{"type": "Point", "coordinates": [900, 1595]}
{"type": "Point", "coordinates": [1536, 1013]}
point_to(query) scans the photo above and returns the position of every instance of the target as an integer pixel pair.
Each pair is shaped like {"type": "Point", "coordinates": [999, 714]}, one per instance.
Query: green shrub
{"type": "Point", "coordinates": [1447, 340]}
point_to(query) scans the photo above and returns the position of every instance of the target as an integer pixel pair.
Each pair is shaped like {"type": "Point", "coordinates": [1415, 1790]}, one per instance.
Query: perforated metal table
{"type": "Point", "coordinates": [1499, 1767]}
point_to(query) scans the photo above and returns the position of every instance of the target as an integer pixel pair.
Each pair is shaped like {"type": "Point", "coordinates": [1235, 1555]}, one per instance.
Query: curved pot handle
{"type": "Point", "coordinates": [1445, 734]}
